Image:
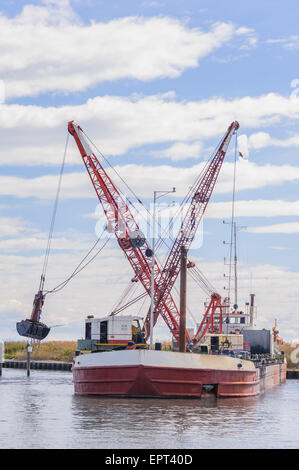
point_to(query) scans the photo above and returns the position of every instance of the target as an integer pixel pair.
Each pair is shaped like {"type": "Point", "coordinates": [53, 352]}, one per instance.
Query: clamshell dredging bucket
{"type": "Point", "coordinates": [32, 329]}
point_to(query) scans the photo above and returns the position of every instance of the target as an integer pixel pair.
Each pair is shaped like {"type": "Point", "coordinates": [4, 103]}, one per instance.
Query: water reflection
{"type": "Point", "coordinates": [42, 412]}
{"type": "Point", "coordinates": [164, 422]}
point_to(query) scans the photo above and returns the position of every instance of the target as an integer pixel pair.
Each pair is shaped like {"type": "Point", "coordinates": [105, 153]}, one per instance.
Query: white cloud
{"type": "Point", "coordinates": [150, 4]}
{"type": "Point", "coordinates": [109, 272]}
{"type": "Point", "coordinates": [18, 236]}
{"type": "Point", "coordinates": [259, 140]}
{"type": "Point", "coordinates": [223, 210]}
{"type": "Point", "coordinates": [249, 176]}
{"type": "Point", "coordinates": [13, 226]}
{"type": "Point", "coordinates": [251, 37]}
{"type": "Point", "coordinates": [36, 135]}
{"type": "Point", "coordinates": [292, 42]}
{"type": "Point", "coordinates": [263, 139]}
{"type": "Point", "coordinates": [244, 30]}
{"type": "Point", "coordinates": [190, 119]}
{"type": "Point", "coordinates": [275, 287]}
{"type": "Point", "coordinates": [140, 178]}
{"type": "Point", "coordinates": [243, 145]}
{"type": "Point", "coordinates": [39, 243]}
{"type": "Point", "coordinates": [45, 154]}
{"type": "Point", "coordinates": [81, 55]}
{"type": "Point", "coordinates": [279, 248]}
{"type": "Point", "coordinates": [104, 280]}
{"type": "Point", "coordinates": [287, 228]}
{"type": "Point", "coordinates": [253, 208]}
{"type": "Point", "coordinates": [2, 91]}
{"type": "Point", "coordinates": [180, 151]}
{"type": "Point", "coordinates": [75, 185]}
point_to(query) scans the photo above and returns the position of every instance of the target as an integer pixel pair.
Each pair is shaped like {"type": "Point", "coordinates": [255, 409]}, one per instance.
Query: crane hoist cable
{"type": "Point", "coordinates": [183, 205]}
{"type": "Point", "coordinates": [77, 270]}
{"type": "Point", "coordinates": [108, 195]}
{"type": "Point", "coordinates": [123, 181]}
{"type": "Point", "coordinates": [203, 283]}
{"type": "Point", "coordinates": [180, 208]}
{"type": "Point", "coordinates": [125, 297]}
{"type": "Point", "coordinates": [161, 240]}
{"type": "Point", "coordinates": [50, 236]}
{"type": "Point", "coordinates": [195, 272]}
{"type": "Point", "coordinates": [33, 328]}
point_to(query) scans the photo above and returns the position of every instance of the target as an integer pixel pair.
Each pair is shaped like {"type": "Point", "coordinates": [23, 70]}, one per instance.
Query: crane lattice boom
{"type": "Point", "coordinates": [121, 221]}
{"type": "Point", "coordinates": [131, 240]}
{"type": "Point", "coordinates": [190, 223]}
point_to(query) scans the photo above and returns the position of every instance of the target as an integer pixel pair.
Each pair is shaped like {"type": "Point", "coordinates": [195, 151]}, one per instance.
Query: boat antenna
{"type": "Point", "coordinates": [233, 241]}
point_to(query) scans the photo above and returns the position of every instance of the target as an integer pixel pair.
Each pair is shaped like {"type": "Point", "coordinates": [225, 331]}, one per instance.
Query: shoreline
{"type": "Point", "coordinates": [67, 366]}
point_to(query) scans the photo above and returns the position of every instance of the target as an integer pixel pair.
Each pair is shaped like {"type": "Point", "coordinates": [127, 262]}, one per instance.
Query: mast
{"type": "Point", "coordinates": [235, 265]}
{"type": "Point", "coordinates": [183, 299]}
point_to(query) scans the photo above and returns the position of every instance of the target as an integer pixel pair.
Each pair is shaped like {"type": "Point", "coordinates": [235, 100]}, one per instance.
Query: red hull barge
{"type": "Point", "coordinates": [146, 373]}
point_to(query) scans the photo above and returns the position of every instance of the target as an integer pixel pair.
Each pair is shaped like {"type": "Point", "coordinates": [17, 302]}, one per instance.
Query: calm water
{"type": "Point", "coordinates": [41, 411]}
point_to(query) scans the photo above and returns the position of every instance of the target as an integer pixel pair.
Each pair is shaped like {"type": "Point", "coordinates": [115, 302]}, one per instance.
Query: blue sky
{"type": "Point", "coordinates": [154, 84]}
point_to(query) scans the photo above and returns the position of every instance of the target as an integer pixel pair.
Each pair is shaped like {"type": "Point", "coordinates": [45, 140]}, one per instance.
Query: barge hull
{"type": "Point", "coordinates": [168, 374]}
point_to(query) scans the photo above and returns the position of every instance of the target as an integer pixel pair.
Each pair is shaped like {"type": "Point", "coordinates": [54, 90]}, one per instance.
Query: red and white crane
{"type": "Point", "coordinates": [199, 199]}
{"type": "Point", "coordinates": [121, 221]}
{"type": "Point", "coordinates": [132, 241]}
{"type": "Point", "coordinates": [134, 245]}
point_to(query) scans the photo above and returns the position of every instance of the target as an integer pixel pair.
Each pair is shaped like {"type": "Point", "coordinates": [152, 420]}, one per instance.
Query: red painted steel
{"type": "Point", "coordinates": [147, 381]}
{"type": "Point", "coordinates": [215, 303]}
{"type": "Point", "coordinates": [199, 201]}
{"type": "Point", "coordinates": [122, 223]}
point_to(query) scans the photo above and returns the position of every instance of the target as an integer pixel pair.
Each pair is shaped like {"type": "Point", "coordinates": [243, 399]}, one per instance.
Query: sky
{"type": "Point", "coordinates": [154, 84]}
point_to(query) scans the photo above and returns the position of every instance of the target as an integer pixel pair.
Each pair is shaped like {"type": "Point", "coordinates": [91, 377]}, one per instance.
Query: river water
{"type": "Point", "coordinates": [41, 411]}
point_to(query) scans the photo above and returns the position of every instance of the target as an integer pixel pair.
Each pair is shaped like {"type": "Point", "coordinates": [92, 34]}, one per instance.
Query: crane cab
{"type": "Point", "coordinates": [111, 332]}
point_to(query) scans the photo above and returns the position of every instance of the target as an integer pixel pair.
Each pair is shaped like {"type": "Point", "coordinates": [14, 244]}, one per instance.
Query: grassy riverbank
{"type": "Point", "coordinates": [63, 351]}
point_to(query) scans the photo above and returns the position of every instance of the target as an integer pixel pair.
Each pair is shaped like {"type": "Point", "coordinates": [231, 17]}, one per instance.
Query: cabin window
{"type": "Point", "coordinates": [215, 343]}
{"type": "Point", "coordinates": [88, 330]}
{"type": "Point", "coordinates": [104, 331]}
